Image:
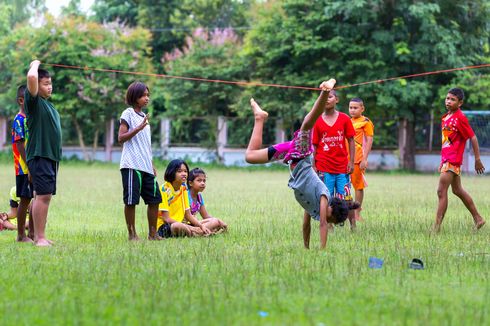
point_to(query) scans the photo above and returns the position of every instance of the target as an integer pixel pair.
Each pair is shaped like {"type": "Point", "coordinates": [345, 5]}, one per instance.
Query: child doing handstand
{"type": "Point", "coordinates": [175, 218]}
{"type": "Point", "coordinates": [310, 192]}
{"type": "Point", "coordinates": [196, 183]}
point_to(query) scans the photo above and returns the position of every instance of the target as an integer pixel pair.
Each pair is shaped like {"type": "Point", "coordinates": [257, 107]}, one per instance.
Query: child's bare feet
{"type": "Point", "coordinates": [479, 224]}
{"type": "Point", "coordinates": [43, 242]}
{"type": "Point", "coordinates": [258, 112]}
{"type": "Point", "coordinates": [133, 238]}
{"type": "Point", "coordinates": [24, 239]}
{"type": "Point", "coordinates": [436, 228]}
{"type": "Point", "coordinates": [156, 237]}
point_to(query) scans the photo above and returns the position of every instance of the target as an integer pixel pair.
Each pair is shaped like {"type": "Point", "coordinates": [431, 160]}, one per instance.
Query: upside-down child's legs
{"type": "Point", "coordinates": [129, 215]}
{"type": "Point", "coordinates": [255, 154]}
{"type": "Point", "coordinates": [445, 180]}
{"type": "Point", "coordinates": [465, 197]}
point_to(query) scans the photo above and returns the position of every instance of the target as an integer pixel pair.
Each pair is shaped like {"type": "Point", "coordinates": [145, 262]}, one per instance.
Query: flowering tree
{"type": "Point", "coordinates": [86, 99]}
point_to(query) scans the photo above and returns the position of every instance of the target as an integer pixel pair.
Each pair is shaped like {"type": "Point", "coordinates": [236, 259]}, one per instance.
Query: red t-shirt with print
{"type": "Point", "coordinates": [331, 146]}
{"type": "Point", "coordinates": [456, 130]}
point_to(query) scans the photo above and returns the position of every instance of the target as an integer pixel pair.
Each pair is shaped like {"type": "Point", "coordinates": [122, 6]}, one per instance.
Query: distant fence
{"type": "Point", "coordinates": [223, 139]}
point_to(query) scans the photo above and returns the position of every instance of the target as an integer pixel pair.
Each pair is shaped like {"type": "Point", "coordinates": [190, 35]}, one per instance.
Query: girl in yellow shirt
{"type": "Point", "coordinates": [175, 218]}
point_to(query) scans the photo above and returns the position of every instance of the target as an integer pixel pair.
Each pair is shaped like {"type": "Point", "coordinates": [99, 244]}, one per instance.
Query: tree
{"type": "Point", "coordinates": [86, 98]}
{"type": "Point", "coordinates": [207, 55]}
{"type": "Point", "coordinates": [300, 43]}
{"type": "Point", "coordinates": [170, 22]}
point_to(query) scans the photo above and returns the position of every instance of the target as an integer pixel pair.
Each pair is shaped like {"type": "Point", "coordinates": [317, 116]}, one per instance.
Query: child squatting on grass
{"type": "Point", "coordinates": [456, 130]}
{"type": "Point", "coordinates": [175, 218]}
{"type": "Point", "coordinates": [196, 183]}
{"type": "Point", "coordinates": [310, 192]}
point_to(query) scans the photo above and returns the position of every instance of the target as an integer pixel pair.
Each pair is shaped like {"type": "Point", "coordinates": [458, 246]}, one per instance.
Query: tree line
{"type": "Point", "coordinates": [289, 42]}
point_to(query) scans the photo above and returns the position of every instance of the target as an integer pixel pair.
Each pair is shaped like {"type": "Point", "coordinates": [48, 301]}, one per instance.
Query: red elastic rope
{"type": "Point", "coordinates": [265, 84]}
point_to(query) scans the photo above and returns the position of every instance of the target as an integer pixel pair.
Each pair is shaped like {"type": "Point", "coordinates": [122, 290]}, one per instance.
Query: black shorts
{"type": "Point", "coordinates": [23, 186]}
{"type": "Point", "coordinates": [14, 204]}
{"type": "Point", "coordinates": [165, 231]}
{"type": "Point", "coordinates": [138, 183]}
{"type": "Point", "coordinates": [43, 172]}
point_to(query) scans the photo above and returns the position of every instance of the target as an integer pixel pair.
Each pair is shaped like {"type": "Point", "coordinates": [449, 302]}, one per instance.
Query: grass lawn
{"type": "Point", "coordinates": [258, 272]}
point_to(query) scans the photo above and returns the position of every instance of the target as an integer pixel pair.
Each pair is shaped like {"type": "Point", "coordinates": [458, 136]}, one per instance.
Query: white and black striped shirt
{"type": "Point", "coordinates": [136, 153]}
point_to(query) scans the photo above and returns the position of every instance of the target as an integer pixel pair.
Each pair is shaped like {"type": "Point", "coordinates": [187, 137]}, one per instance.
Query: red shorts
{"type": "Point", "coordinates": [357, 178]}
{"type": "Point", "coordinates": [445, 167]}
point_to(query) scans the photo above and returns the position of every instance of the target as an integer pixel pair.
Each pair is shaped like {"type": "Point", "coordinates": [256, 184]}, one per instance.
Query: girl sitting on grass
{"type": "Point", "coordinates": [175, 218]}
{"type": "Point", "coordinates": [196, 183]}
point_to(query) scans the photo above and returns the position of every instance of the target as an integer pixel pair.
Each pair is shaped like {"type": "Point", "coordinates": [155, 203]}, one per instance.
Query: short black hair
{"type": "Point", "coordinates": [341, 208]}
{"type": "Point", "coordinates": [172, 168]}
{"type": "Point", "coordinates": [41, 73]}
{"type": "Point", "coordinates": [193, 174]}
{"type": "Point", "coordinates": [333, 92]}
{"type": "Point", "coordinates": [20, 91]}
{"type": "Point", "coordinates": [357, 100]}
{"type": "Point", "coordinates": [458, 92]}
{"type": "Point", "coordinates": [135, 91]}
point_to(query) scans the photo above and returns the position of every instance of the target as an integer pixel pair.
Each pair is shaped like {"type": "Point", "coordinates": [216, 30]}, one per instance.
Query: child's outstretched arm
{"type": "Point", "coordinates": [32, 78]}
{"type": "Point", "coordinates": [316, 111]}
{"type": "Point", "coordinates": [479, 168]}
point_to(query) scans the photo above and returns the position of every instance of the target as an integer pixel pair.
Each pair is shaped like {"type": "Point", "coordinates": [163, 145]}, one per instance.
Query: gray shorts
{"type": "Point", "coordinates": [308, 188]}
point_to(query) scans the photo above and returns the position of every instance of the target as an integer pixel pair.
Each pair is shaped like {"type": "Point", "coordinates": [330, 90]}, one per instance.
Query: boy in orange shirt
{"type": "Point", "coordinates": [363, 142]}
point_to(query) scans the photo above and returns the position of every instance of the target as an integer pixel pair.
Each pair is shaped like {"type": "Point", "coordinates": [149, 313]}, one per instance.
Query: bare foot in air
{"type": "Point", "coordinates": [258, 112]}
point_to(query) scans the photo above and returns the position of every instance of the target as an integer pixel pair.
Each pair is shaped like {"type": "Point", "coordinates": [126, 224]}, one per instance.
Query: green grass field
{"type": "Point", "coordinates": [256, 274]}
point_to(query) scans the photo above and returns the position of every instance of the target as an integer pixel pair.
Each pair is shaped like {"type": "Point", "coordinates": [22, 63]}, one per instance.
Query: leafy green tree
{"type": "Point", "coordinates": [86, 99]}
{"type": "Point", "coordinates": [170, 22]}
{"type": "Point", "coordinates": [18, 11]}
{"type": "Point", "coordinates": [207, 55]}
{"type": "Point", "coordinates": [298, 42]}
{"type": "Point", "coordinates": [124, 11]}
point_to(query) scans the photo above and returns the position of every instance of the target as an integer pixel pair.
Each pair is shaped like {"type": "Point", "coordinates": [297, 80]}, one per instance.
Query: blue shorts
{"type": "Point", "coordinates": [338, 184]}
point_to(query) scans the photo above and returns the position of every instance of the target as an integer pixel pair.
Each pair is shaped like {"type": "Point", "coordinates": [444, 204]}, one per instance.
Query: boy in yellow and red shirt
{"type": "Point", "coordinates": [363, 142]}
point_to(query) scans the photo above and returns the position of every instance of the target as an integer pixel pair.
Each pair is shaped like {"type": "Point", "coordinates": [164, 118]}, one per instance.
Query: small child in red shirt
{"type": "Point", "coordinates": [456, 130]}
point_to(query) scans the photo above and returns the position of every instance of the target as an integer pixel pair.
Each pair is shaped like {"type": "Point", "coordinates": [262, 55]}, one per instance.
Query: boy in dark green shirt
{"type": "Point", "coordinates": [43, 148]}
